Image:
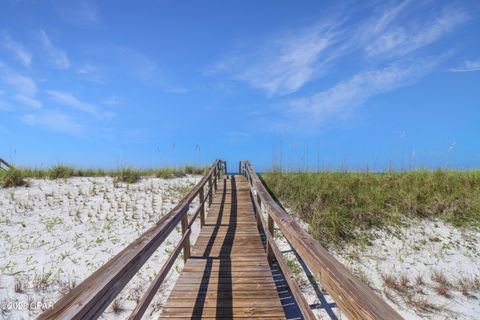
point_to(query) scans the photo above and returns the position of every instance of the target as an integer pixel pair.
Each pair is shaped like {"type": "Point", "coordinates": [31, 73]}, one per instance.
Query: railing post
{"type": "Point", "coordinates": [259, 211]}
{"type": "Point", "coordinates": [270, 254]}
{"type": "Point", "coordinates": [225, 167]}
{"type": "Point", "coordinates": [186, 244]}
{"type": "Point", "coordinates": [215, 179]}
{"type": "Point", "coordinates": [240, 167]}
{"type": "Point", "coordinates": [210, 191]}
{"type": "Point", "coordinates": [201, 195]}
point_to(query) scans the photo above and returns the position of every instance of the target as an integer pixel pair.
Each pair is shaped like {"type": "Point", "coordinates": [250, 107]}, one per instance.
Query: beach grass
{"type": "Point", "coordinates": [16, 177]}
{"type": "Point", "coordinates": [336, 205]}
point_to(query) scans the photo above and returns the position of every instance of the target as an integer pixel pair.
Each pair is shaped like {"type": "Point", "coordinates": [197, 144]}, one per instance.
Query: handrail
{"type": "Point", "coordinates": [90, 298]}
{"type": "Point", "coordinates": [8, 165]}
{"type": "Point", "coordinates": [353, 297]}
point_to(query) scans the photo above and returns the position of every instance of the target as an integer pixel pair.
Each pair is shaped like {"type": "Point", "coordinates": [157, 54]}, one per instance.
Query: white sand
{"type": "Point", "coordinates": [55, 233]}
{"type": "Point", "coordinates": [420, 248]}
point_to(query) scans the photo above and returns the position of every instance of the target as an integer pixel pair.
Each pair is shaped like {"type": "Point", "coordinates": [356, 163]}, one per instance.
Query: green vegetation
{"type": "Point", "coordinates": [61, 172]}
{"type": "Point", "coordinates": [11, 178]}
{"type": "Point", "coordinates": [337, 204]}
{"type": "Point", "coordinates": [128, 175]}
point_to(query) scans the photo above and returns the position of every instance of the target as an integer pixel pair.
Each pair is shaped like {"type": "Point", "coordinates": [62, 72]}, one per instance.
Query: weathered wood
{"type": "Point", "coordinates": [292, 284]}
{"type": "Point", "coordinates": [153, 288]}
{"type": "Point", "coordinates": [270, 231]}
{"type": "Point", "coordinates": [202, 207]}
{"type": "Point", "coordinates": [245, 312]}
{"type": "Point", "coordinates": [89, 299]}
{"type": "Point", "coordinates": [353, 297]}
{"type": "Point", "coordinates": [186, 243]}
{"type": "Point", "coordinates": [6, 164]}
{"type": "Point", "coordinates": [210, 192]}
{"type": "Point", "coordinates": [227, 275]}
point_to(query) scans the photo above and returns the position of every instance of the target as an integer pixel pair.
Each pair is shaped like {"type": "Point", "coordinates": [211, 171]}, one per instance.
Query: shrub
{"type": "Point", "coordinates": [61, 172]}
{"type": "Point", "coordinates": [127, 175]}
{"type": "Point", "coordinates": [169, 173]}
{"type": "Point", "coordinates": [11, 178]}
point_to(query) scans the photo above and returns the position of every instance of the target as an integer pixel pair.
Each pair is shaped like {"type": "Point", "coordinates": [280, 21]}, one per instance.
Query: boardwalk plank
{"type": "Point", "coordinates": [227, 275]}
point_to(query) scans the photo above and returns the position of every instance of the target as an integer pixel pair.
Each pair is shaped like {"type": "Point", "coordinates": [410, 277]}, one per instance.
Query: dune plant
{"type": "Point", "coordinates": [128, 175]}
{"type": "Point", "coordinates": [61, 172]}
{"type": "Point", "coordinates": [11, 178]}
{"type": "Point", "coordinates": [336, 204]}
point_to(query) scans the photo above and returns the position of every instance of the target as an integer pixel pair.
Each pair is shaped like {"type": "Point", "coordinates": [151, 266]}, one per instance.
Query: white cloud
{"type": "Point", "coordinates": [79, 12]}
{"type": "Point", "coordinates": [467, 66]}
{"type": "Point", "coordinates": [119, 61]}
{"type": "Point", "coordinates": [342, 98]}
{"type": "Point", "coordinates": [5, 106]}
{"type": "Point", "coordinates": [284, 63]}
{"type": "Point", "coordinates": [17, 50]}
{"type": "Point", "coordinates": [20, 83]}
{"type": "Point", "coordinates": [87, 69]}
{"type": "Point", "coordinates": [55, 121]}
{"type": "Point", "coordinates": [112, 101]}
{"type": "Point", "coordinates": [56, 55]}
{"type": "Point", "coordinates": [70, 100]}
{"type": "Point", "coordinates": [400, 40]}
{"type": "Point", "coordinates": [31, 102]}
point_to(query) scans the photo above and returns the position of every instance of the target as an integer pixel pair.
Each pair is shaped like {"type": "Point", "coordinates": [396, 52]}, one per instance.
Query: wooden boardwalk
{"type": "Point", "coordinates": [227, 274]}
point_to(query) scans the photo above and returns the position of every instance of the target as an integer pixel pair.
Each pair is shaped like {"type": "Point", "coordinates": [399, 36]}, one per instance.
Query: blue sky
{"type": "Point", "coordinates": [304, 84]}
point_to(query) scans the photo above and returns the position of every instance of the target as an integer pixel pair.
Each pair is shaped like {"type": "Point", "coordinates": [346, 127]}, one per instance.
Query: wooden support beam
{"type": "Point", "coordinates": [201, 196]}
{"type": "Point", "coordinates": [157, 282]}
{"type": "Point", "coordinates": [270, 254]}
{"type": "Point", "coordinates": [186, 243]}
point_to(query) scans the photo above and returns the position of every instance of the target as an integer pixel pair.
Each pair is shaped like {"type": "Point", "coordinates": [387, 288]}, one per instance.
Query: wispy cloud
{"type": "Point", "coordinates": [17, 50]}
{"type": "Point", "coordinates": [5, 106]}
{"type": "Point", "coordinates": [67, 99]}
{"type": "Point", "coordinates": [287, 61]}
{"type": "Point", "coordinates": [20, 83]}
{"type": "Point", "coordinates": [389, 48]}
{"type": "Point", "coordinates": [113, 61]}
{"type": "Point", "coordinates": [345, 96]}
{"type": "Point", "coordinates": [467, 66]}
{"type": "Point", "coordinates": [399, 40]}
{"type": "Point", "coordinates": [80, 12]}
{"type": "Point", "coordinates": [28, 101]}
{"type": "Point", "coordinates": [55, 121]}
{"type": "Point", "coordinates": [58, 57]}
{"type": "Point", "coordinates": [112, 101]}
{"type": "Point", "coordinates": [92, 73]}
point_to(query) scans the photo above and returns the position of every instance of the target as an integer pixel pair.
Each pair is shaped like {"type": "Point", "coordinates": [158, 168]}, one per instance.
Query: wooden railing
{"type": "Point", "coordinates": [353, 297]}
{"type": "Point", "coordinates": [4, 165]}
{"type": "Point", "coordinates": [89, 299]}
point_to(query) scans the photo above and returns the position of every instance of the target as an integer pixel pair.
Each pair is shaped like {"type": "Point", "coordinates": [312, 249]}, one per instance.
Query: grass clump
{"type": "Point", "coordinates": [169, 173]}
{"type": "Point", "coordinates": [128, 175]}
{"type": "Point", "coordinates": [336, 204]}
{"type": "Point", "coordinates": [61, 172]}
{"type": "Point", "coordinates": [11, 178]}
